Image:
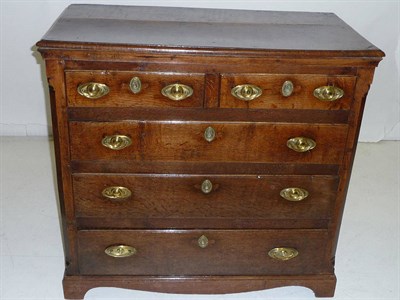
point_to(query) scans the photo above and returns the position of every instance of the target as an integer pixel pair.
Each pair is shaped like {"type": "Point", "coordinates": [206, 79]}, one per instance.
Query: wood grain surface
{"type": "Point", "coordinates": [177, 253]}
{"type": "Point", "coordinates": [184, 141]}
{"type": "Point", "coordinates": [91, 25]}
{"type": "Point", "coordinates": [120, 94]}
{"type": "Point", "coordinates": [180, 196]}
{"type": "Point", "coordinates": [271, 86]}
{"type": "Point", "coordinates": [248, 162]}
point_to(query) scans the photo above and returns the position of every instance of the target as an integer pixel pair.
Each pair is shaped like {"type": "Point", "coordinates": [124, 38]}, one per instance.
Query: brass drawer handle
{"type": "Point", "coordinates": [120, 251]}
{"type": "Point", "coordinates": [209, 134]}
{"type": "Point", "coordinates": [116, 142]}
{"type": "Point", "coordinates": [93, 90]}
{"type": "Point", "coordinates": [328, 93]}
{"type": "Point", "coordinates": [246, 92]}
{"type": "Point", "coordinates": [301, 144]}
{"type": "Point", "coordinates": [206, 186]}
{"type": "Point", "coordinates": [283, 253]}
{"type": "Point", "coordinates": [294, 194]}
{"type": "Point", "coordinates": [177, 91]}
{"type": "Point", "coordinates": [287, 88]}
{"type": "Point", "coordinates": [135, 85]}
{"type": "Point", "coordinates": [116, 192]}
{"type": "Point", "coordinates": [202, 241]}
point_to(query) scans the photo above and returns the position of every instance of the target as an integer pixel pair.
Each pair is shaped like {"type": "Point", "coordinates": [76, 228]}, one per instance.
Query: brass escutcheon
{"type": "Point", "coordinates": [301, 144]}
{"type": "Point", "coordinates": [287, 88]}
{"type": "Point", "coordinates": [116, 192]}
{"type": "Point", "coordinates": [93, 90]}
{"type": "Point", "coordinates": [202, 241]}
{"type": "Point", "coordinates": [135, 85]}
{"type": "Point", "coordinates": [209, 134]}
{"type": "Point", "coordinates": [294, 194]}
{"type": "Point", "coordinates": [328, 93]}
{"type": "Point", "coordinates": [116, 142]}
{"type": "Point", "coordinates": [283, 253]}
{"type": "Point", "coordinates": [206, 186]}
{"type": "Point", "coordinates": [177, 91]}
{"type": "Point", "coordinates": [246, 92]}
{"type": "Point", "coordinates": [120, 251]}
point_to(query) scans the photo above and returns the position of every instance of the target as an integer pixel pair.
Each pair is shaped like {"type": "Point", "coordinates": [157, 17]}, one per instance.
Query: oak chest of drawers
{"type": "Point", "coordinates": [203, 151]}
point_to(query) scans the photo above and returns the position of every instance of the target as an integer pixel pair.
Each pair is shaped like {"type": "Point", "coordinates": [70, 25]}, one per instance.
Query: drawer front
{"type": "Point", "coordinates": [231, 142]}
{"type": "Point", "coordinates": [204, 196]}
{"type": "Point", "coordinates": [202, 252]}
{"type": "Point", "coordinates": [271, 85]}
{"type": "Point", "coordinates": [121, 90]}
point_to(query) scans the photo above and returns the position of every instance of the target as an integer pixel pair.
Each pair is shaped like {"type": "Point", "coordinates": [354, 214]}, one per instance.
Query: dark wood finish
{"type": "Point", "coordinates": [121, 96]}
{"type": "Point", "coordinates": [54, 69]}
{"type": "Point", "coordinates": [177, 253]}
{"type": "Point", "coordinates": [271, 85]}
{"type": "Point", "coordinates": [211, 64]}
{"type": "Point", "coordinates": [92, 25]}
{"type": "Point", "coordinates": [75, 287]}
{"type": "Point", "coordinates": [180, 196]}
{"type": "Point", "coordinates": [210, 114]}
{"type": "Point", "coordinates": [234, 142]}
{"type": "Point", "coordinates": [195, 223]}
{"type": "Point", "coordinates": [212, 51]}
{"type": "Point", "coordinates": [149, 167]}
{"type": "Point", "coordinates": [232, 58]}
{"type": "Point", "coordinates": [365, 77]}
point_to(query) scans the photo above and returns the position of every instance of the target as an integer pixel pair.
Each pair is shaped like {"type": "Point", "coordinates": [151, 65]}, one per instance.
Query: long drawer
{"type": "Point", "coordinates": [204, 196]}
{"type": "Point", "coordinates": [207, 141]}
{"type": "Point", "coordinates": [203, 252]}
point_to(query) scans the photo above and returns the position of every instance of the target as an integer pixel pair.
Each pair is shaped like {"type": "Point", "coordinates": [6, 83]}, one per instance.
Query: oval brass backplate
{"type": "Point", "coordinates": [294, 194]}
{"type": "Point", "coordinates": [120, 251]}
{"type": "Point", "coordinates": [301, 144]}
{"type": "Point", "coordinates": [93, 90]}
{"type": "Point", "coordinates": [246, 92]}
{"type": "Point", "coordinates": [177, 91]}
{"type": "Point", "coordinates": [328, 93]}
{"type": "Point", "coordinates": [283, 253]}
{"type": "Point", "coordinates": [116, 192]}
{"type": "Point", "coordinates": [116, 142]}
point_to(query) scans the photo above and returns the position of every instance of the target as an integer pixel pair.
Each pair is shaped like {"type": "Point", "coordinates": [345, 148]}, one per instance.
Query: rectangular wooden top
{"type": "Point", "coordinates": [88, 26]}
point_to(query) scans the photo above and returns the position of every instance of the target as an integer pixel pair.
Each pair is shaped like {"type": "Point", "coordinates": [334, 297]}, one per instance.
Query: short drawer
{"type": "Point", "coordinates": [203, 252]}
{"type": "Point", "coordinates": [134, 89]}
{"type": "Point", "coordinates": [286, 91]}
{"type": "Point", "coordinates": [208, 141]}
{"type": "Point", "coordinates": [188, 197]}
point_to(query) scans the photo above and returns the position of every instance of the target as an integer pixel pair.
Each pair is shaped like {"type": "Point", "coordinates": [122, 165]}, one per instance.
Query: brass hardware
{"type": "Point", "coordinates": [301, 144]}
{"type": "Point", "coordinates": [93, 90]}
{"type": "Point", "coordinates": [202, 241]}
{"type": "Point", "coordinates": [294, 194]}
{"type": "Point", "coordinates": [328, 93]}
{"type": "Point", "coordinates": [206, 186]}
{"type": "Point", "coordinates": [246, 92]}
{"type": "Point", "coordinates": [135, 85]}
{"type": "Point", "coordinates": [116, 142]}
{"type": "Point", "coordinates": [116, 192]}
{"type": "Point", "coordinates": [120, 251]}
{"type": "Point", "coordinates": [209, 134]}
{"type": "Point", "coordinates": [287, 88]}
{"type": "Point", "coordinates": [177, 91]}
{"type": "Point", "coordinates": [283, 253]}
